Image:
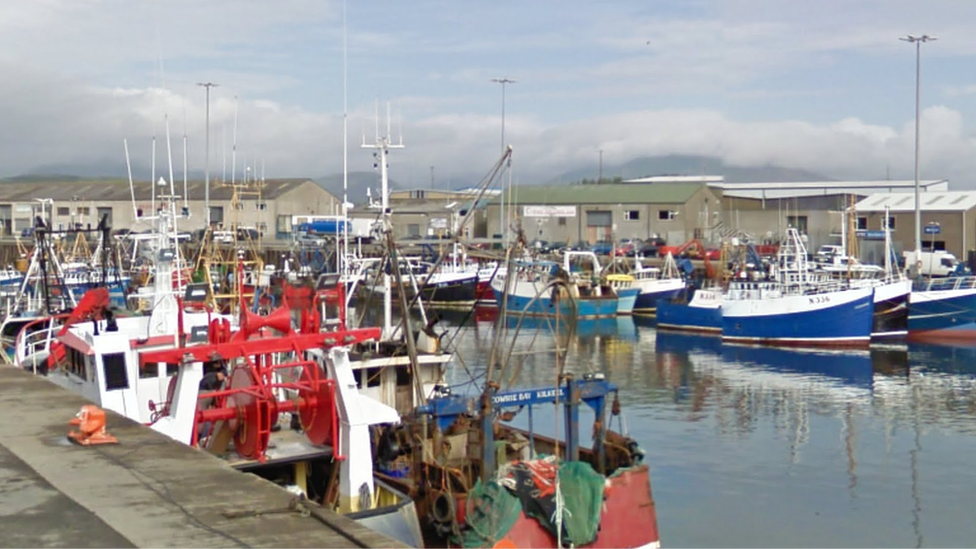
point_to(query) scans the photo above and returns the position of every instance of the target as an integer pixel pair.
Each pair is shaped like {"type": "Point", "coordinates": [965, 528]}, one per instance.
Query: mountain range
{"type": "Point", "coordinates": [360, 181]}
{"type": "Point", "coordinates": [691, 165]}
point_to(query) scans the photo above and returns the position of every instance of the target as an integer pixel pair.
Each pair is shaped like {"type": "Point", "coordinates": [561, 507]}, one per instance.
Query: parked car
{"type": "Point", "coordinates": [626, 247]}
{"type": "Point", "coordinates": [651, 246]}
{"type": "Point", "coordinates": [602, 247]}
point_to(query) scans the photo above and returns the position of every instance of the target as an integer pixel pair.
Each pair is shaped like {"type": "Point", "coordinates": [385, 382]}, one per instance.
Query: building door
{"type": "Point", "coordinates": [599, 226]}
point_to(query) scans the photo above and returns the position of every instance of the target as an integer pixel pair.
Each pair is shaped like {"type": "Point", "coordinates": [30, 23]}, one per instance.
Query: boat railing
{"type": "Point", "coordinates": [948, 283]}
{"type": "Point", "coordinates": [34, 341]}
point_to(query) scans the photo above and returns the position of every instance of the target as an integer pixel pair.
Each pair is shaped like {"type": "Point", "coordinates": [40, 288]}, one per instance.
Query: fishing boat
{"type": "Point", "coordinates": [623, 285]}
{"type": "Point", "coordinates": [656, 284]}
{"type": "Point", "coordinates": [702, 312]}
{"type": "Point", "coordinates": [943, 310]}
{"type": "Point", "coordinates": [479, 481]}
{"type": "Point", "coordinates": [289, 408]}
{"type": "Point", "coordinates": [795, 308]}
{"type": "Point", "coordinates": [48, 291]}
{"type": "Point", "coordinates": [451, 285]}
{"type": "Point", "coordinates": [891, 287]}
{"type": "Point", "coordinates": [571, 289]}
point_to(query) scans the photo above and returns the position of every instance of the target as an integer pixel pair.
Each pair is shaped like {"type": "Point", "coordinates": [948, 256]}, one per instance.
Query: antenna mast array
{"type": "Point", "coordinates": [382, 145]}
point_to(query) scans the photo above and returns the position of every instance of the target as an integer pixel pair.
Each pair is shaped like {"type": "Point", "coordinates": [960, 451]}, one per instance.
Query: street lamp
{"type": "Point", "coordinates": [501, 211]}
{"type": "Point", "coordinates": [918, 41]}
{"type": "Point", "coordinates": [206, 188]}
{"type": "Point", "coordinates": [600, 179]}
{"type": "Point", "coordinates": [503, 81]}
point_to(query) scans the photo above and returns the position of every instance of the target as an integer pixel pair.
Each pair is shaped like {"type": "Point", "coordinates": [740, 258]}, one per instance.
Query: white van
{"type": "Point", "coordinates": [937, 263]}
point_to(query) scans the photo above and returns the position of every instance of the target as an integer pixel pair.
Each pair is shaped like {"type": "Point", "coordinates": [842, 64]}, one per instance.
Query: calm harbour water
{"type": "Point", "coordinates": [774, 447]}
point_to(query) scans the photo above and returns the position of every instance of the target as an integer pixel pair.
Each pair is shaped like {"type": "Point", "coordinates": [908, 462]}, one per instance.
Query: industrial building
{"type": "Point", "coordinates": [948, 220]}
{"type": "Point", "coordinates": [675, 210]}
{"type": "Point", "coordinates": [428, 213]}
{"type": "Point", "coordinates": [268, 206]}
{"type": "Point", "coordinates": [679, 208]}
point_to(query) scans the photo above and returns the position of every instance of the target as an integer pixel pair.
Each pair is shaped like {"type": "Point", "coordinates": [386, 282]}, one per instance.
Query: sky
{"type": "Point", "coordinates": [824, 86]}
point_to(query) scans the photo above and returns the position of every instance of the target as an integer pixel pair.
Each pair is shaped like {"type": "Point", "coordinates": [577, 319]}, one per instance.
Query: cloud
{"type": "Point", "coordinates": [820, 86]}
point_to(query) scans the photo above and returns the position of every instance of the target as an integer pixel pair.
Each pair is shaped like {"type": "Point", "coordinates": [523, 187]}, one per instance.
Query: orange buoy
{"type": "Point", "coordinates": [91, 427]}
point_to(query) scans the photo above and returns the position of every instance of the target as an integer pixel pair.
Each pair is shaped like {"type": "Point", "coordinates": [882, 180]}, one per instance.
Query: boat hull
{"type": "Point", "coordinates": [654, 292]}
{"type": "Point", "coordinates": [626, 298]}
{"type": "Point", "coordinates": [891, 311]}
{"type": "Point", "coordinates": [702, 314]}
{"type": "Point", "coordinates": [532, 298]}
{"type": "Point", "coordinates": [833, 319]}
{"type": "Point", "coordinates": [457, 291]}
{"type": "Point", "coordinates": [942, 315]}
{"type": "Point", "coordinates": [628, 517]}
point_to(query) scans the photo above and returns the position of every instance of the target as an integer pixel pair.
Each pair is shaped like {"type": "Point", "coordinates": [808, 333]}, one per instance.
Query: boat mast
{"type": "Point", "coordinates": [345, 148]}
{"type": "Point", "coordinates": [383, 145]}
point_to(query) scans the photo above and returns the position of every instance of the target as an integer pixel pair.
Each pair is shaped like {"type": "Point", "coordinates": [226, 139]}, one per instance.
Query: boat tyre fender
{"type": "Point", "coordinates": [444, 509]}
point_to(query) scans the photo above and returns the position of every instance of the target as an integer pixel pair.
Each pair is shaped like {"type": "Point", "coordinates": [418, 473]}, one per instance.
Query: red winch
{"type": "Point", "coordinates": [249, 405]}
{"type": "Point", "coordinates": [250, 408]}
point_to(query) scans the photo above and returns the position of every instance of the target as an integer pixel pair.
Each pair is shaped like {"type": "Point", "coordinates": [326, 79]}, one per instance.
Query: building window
{"type": "Point", "coordinates": [561, 222]}
{"type": "Point", "coordinates": [666, 215]}
{"type": "Point", "coordinates": [413, 229]}
{"type": "Point", "coordinates": [283, 225]}
{"type": "Point", "coordinates": [632, 215]}
{"type": "Point", "coordinates": [64, 210]}
{"type": "Point", "coordinates": [891, 222]}
{"type": "Point", "coordinates": [84, 210]}
{"type": "Point", "coordinates": [862, 223]}
{"type": "Point", "coordinates": [798, 222]}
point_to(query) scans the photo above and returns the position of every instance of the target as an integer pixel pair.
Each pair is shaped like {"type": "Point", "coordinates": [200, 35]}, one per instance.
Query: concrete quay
{"type": "Point", "coordinates": [145, 491]}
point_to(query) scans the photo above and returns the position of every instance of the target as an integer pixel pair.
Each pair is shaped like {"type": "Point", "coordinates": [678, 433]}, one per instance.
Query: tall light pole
{"type": "Point", "coordinates": [501, 211]}
{"type": "Point", "coordinates": [503, 81]}
{"type": "Point", "coordinates": [918, 41]}
{"type": "Point", "coordinates": [600, 179]}
{"type": "Point", "coordinates": [206, 188]}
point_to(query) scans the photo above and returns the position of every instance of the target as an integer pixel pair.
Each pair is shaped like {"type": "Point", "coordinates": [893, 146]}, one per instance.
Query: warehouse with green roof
{"type": "Point", "coordinates": [674, 210]}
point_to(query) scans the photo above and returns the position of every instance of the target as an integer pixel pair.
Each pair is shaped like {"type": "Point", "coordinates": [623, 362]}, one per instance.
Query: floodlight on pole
{"type": "Point", "coordinates": [206, 185]}
{"type": "Point", "coordinates": [918, 41]}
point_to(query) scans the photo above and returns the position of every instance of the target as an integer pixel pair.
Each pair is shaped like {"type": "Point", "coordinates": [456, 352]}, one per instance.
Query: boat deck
{"type": "Point", "coordinates": [145, 491]}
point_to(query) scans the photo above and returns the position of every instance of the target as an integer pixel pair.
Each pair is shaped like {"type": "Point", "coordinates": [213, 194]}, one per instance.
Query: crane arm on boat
{"type": "Point", "coordinates": [237, 349]}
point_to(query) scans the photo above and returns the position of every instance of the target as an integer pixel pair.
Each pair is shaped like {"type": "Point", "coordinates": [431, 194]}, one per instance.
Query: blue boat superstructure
{"type": "Point", "coordinates": [943, 310]}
